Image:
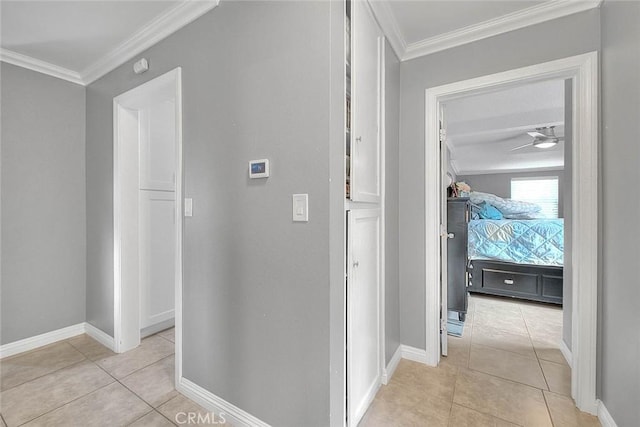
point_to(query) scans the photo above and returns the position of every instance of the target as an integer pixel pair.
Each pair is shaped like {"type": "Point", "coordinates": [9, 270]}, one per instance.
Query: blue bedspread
{"type": "Point", "coordinates": [533, 241]}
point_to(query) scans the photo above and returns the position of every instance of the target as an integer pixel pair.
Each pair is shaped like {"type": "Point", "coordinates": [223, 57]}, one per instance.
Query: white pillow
{"type": "Point", "coordinates": [508, 207]}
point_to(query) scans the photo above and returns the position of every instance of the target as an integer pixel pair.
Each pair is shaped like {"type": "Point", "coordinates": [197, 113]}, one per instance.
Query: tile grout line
{"type": "Point", "coordinates": [546, 403]}
{"type": "Point", "coordinates": [65, 404]}
{"type": "Point", "coordinates": [93, 391]}
{"type": "Point", "coordinates": [139, 369]}
{"type": "Point", "coordinates": [468, 367]}
{"type": "Point", "coordinates": [505, 379]}
{"type": "Point", "coordinates": [161, 336]}
{"type": "Point", "coordinates": [48, 373]}
{"type": "Point", "coordinates": [537, 358]}
{"type": "Point", "coordinates": [486, 413]}
{"type": "Point", "coordinates": [516, 382]}
{"type": "Point", "coordinates": [163, 415]}
{"type": "Point", "coordinates": [153, 408]}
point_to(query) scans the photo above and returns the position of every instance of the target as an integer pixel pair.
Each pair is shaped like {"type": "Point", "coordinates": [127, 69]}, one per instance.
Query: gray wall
{"type": "Point", "coordinates": [500, 183]}
{"type": "Point", "coordinates": [560, 38]}
{"type": "Point", "coordinates": [567, 188]}
{"type": "Point", "coordinates": [256, 84]}
{"type": "Point", "coordinates": [450, 168]}
{"type": "Point", "coordinates": [43, 203]}
{"type": "Point", "coordinates": [619, 338]}
{"type": "Point", "coordinates": [392, 135]}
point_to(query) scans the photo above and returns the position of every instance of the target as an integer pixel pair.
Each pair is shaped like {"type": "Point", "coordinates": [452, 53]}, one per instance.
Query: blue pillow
{"type": "Point", "coordinates": [488, 211]}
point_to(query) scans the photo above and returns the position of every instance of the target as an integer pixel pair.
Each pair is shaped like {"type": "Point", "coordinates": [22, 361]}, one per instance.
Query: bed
{"type": "Point", "coordinates": [517, 258]}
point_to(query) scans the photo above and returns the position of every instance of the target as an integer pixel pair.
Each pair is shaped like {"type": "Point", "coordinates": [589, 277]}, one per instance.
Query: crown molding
{"type": "Point", "coordinates": [512, 21]}
{"type": "Point", "coordinates": [159, 28]}
{"type": "Point", "coordinates": [387, 21]}
{"type": "Point", "coordinates": [547, 11]}
{"type": "Point", "coordinates": [24, 61]}
{"type": "Point", "coordinates": [156, 30]}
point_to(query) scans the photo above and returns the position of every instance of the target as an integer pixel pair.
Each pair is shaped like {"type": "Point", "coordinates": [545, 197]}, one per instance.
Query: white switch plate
{"type": "Point", "coordinates": [188, 206]}
{"type": "Point", "coordinates": [301, 207]}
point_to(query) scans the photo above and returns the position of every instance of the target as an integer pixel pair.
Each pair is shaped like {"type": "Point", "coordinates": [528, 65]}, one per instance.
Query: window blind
{"type": "Point", "coordinates": [541, 191]}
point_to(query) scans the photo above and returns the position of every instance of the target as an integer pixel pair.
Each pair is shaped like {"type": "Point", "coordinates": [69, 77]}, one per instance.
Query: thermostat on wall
{"type": "Point", "coordinates": [259, 168]}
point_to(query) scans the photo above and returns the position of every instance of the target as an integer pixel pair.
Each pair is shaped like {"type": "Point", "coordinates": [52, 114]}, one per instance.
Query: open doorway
{"type": "Point", "coordinates": [581, 71]}
{"type": "Point", "coordinates": [148, 212]}
{"type": "Point", "coordinates": [508, 158]}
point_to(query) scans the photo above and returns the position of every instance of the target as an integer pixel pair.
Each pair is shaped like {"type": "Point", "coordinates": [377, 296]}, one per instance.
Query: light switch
{"type": "Point", "coordinates": [301, 207]}
{"type": "Point", "coordinates": [188, 206]}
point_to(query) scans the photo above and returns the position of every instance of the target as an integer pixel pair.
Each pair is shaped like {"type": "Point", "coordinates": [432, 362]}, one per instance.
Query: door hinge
{"type": "Point", "coordinates": [443, 135]}
{"type": "Point", "coordinates": [443, 324]}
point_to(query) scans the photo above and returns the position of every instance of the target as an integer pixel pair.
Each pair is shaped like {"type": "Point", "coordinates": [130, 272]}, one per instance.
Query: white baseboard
{"type": "Point", "coordinates": [415, 354]}
{"type": "Point", "coordinates": [604, 416]}
{"type": "Point", "coordinates": [217, 405]}
{"type": "Point", "coordinates": [47, 338]}
{"type": "Point", "coordinates": [160, 326]}
{"type": "Point", "coordinates": [41, 340]}
{"type": "Point", "coordinates": [566, 352]}
{"type": "Point", "coordinates": [100, 336]}
{"type": "Point", "coordinates": [388, 371]}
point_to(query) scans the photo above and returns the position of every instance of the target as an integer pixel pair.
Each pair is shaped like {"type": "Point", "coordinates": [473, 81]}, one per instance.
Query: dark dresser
{"type": "Point", "coordinates": [458, 215]}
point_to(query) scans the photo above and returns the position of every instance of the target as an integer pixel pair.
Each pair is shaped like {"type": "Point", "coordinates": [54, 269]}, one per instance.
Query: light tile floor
{"type": "Point", "coordinates": [505, 370]}
{"type": "Point", "coordinates": [79, 382]}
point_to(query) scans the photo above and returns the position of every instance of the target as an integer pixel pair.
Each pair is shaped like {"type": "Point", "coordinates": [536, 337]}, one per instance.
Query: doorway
{"type": "Point", "coordinates": [582, 72]}
{"type": "Point", "coordinates": [148, 211]}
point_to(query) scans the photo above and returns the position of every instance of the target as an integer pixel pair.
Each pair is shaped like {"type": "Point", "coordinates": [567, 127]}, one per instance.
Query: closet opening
{"type": "Point", "coordinates": [148, 212]}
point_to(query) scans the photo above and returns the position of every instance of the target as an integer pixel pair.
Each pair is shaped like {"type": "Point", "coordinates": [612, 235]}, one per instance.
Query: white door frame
{"type": "Point", "coordinates": [126, 315]}
{"type": "Point", "coordinates": [583, 71]}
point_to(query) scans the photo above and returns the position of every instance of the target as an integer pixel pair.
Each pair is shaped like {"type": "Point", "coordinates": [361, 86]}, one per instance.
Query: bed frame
{"type": "Point", "coordinates": [530, 282]}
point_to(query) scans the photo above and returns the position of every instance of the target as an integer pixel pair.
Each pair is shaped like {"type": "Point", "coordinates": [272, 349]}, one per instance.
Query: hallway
{"type": "Point", "coordinates": [506, 370]}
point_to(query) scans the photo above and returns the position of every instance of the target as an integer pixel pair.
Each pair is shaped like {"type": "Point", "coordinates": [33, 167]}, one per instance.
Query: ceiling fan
{"type": "Point", "coordinates": [543, 137]}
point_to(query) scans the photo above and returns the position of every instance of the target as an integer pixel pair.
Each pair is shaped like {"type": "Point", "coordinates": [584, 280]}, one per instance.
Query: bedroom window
{"type": "Point", "coordinates": [542, 191]}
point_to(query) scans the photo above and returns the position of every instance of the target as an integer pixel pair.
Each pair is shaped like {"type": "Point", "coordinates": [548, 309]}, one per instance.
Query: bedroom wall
{"type": "Point", "coordinates": [500, 183]}
{"type": "Point", "coordinates": [256, 285]}
{"type": "Point", "coordinates": [560, 38]}
{"type": "Point", "coordinates": [43, 203]}
{"type": "Point", "coordinates": [619, 376]}
{"type": "Point", "coordinates": [392, 135]}
{"type": "Point", "coordinates": [450, 168]}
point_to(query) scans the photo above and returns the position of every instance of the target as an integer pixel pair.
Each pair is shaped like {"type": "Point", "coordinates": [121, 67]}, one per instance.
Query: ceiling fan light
{"type": "Point", "coordinates": [546, 143]}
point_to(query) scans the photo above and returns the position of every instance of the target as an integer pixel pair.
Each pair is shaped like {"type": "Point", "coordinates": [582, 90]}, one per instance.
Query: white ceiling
{"type": "Point", "coordinates": [446, 16]}
{"type": "Point", "coordinates": [50, 31]}
{"type": "Point", "coordinates": [82, 40]}
{"type": "Point", "coordinates": [419, 27]}
{"type": "Point", "coordinates": [482, 129]}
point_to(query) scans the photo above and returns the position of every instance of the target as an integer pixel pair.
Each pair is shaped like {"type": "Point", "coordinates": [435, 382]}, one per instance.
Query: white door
{"type": "Point", "coordinates": [365, 89]}
{"type": "Point", "coordinates": [157, 257]}
{"type": "Point", "coordinates": [444, 161]}
{"type": "Point", "coordinates": [158, 146]}
{"type": "Point", "coordinates": [157, 212]}
{"type": "Point", "coordinates": [363, 311]}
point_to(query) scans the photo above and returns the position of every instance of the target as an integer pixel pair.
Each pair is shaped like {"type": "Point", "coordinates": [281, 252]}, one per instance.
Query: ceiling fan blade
{"type": "Point", "coordinates": [522, 146]}
{"type": "Point", "coordinates": [536, 134]}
